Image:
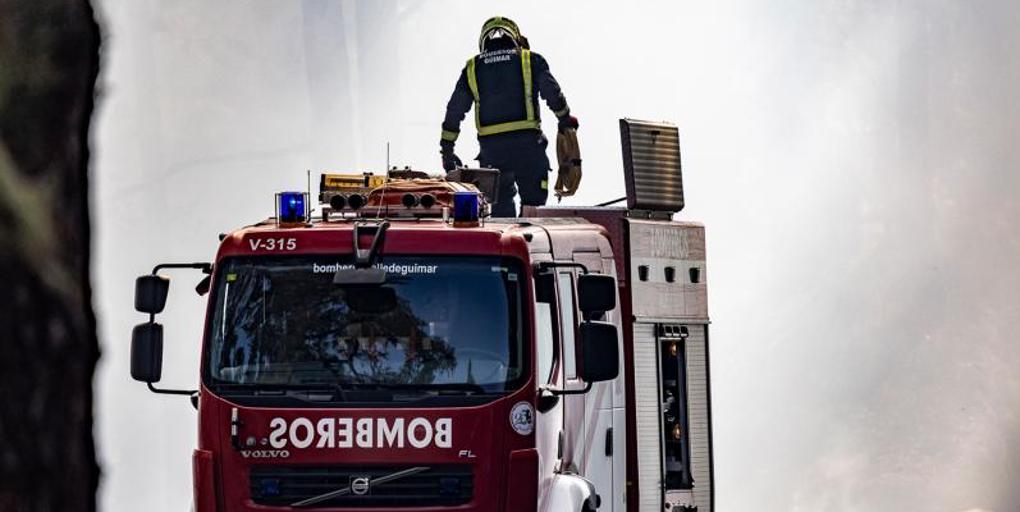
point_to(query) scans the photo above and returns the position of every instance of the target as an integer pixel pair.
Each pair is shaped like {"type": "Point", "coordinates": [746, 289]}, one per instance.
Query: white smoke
{"type": "Point", "coordinates": [855, 164]}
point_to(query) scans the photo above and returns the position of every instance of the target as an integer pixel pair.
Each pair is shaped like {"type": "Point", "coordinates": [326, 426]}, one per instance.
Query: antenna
{"type": "Point", "coordinates": [308, 188]}
{"type": "Point", "coordinates": [387, 156]}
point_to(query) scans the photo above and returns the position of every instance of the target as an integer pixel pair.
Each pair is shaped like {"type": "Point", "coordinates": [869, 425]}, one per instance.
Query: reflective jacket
{"type": "Point", "coordinates": [503, 86]}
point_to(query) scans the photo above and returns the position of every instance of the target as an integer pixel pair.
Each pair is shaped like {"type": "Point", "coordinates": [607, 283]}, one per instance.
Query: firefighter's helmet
{"type": "Point", "coordinates": [498, 27]}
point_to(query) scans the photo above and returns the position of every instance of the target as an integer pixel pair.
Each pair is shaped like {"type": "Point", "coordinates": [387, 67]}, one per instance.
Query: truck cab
{"type": "Point", "coordinates": [408, 359]}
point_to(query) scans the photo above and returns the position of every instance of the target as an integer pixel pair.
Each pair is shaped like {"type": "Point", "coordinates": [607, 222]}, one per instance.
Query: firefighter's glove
{"type": "Point", "coordinates": [568, 155]}
{"type": "Point", "coordinates": [450, 160]}
{"type": "Point", "coordinates": [567, 121]}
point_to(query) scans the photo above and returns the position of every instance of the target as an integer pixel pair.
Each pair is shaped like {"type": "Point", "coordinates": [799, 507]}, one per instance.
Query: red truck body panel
{"type": "Point", "coordinates": [481, 436]}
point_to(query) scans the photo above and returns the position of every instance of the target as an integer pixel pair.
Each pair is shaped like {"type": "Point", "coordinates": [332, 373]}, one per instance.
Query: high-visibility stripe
{"type": "Point", "coordinates": [561, 113]}
{"type": "Point", "coordinates": [472, 79]}
{"type": "Point", "coordinates": [450, 136]}
{"type": "Point", "coordinates": [473, 85]}
{"type": "Point", "coordinates": [509, 127]}
{"type": "Point", "coordinates": [529, 107]}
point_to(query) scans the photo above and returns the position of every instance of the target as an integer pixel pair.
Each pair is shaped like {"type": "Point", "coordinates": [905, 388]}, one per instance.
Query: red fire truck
{"type": "Point", "coordinates": [403, 352]}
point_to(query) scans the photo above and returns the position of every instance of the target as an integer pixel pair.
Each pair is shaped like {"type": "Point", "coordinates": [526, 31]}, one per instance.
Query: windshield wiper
{"type": "Point", "coordinates": [462, 387]}
{"type": "Point", "coordinates": [270, 388]}
{"type": "Point", "coordinates": [459, 388]}
{"type": "Point", "coordinates": [342, 387]}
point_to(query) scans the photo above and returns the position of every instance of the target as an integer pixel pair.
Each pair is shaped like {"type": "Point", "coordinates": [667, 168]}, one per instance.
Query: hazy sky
{"type": "Point", "coordinates": [855, 164]}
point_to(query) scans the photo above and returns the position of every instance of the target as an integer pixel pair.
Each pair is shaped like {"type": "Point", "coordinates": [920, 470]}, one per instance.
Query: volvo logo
{"type": "Point", "coordinates": [360, 485]}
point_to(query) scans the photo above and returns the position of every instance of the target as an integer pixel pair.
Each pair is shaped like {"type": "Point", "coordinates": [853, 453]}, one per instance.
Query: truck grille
{"type": "Point", "coordinates": [438, 486]}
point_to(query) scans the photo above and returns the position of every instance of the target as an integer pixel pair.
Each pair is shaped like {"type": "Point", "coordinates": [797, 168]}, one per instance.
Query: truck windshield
{"type": "Point", "coordinates": [438, 323]}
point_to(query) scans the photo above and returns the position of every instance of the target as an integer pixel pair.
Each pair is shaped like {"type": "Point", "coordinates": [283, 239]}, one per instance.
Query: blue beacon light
{"type": "Point", "coordinates": [291, 207]}
{"type": "Point", "coordinates": [465, 208]}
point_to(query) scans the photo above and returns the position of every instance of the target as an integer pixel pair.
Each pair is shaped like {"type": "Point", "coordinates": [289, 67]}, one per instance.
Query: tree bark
{"type": "Point", "coordinates": [49, 59]}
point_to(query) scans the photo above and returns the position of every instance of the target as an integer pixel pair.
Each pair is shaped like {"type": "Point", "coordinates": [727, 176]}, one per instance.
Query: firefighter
{"type": "Point", "coordinates": [503, 83]}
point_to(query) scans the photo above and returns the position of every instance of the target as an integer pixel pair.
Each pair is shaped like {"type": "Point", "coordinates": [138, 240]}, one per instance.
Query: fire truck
{"type": "Point", "coordinates": [401, 351]}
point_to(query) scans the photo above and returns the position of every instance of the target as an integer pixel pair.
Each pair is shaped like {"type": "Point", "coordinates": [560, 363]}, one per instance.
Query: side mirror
{"type": "Point", "coordinates": [147, 352]}
{"type": "Point", "coordinates": [150, 293]}
{"type": "Point", "coordinates": [596, 292]}
{"type": "Point", "coordinates": [600, 354]}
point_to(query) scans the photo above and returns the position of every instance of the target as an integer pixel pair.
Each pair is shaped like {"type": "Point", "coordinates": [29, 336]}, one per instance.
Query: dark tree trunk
{"type": "Point", "coordinates": [49, 58]}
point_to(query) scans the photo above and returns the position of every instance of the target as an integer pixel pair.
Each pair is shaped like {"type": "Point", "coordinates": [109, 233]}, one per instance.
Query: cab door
{"type": "Point", "coordinates": [575, 419]}
{"type": "Point", "coordinates": [603, 453]}
{"type": "Point", "coordinates": [591, 437]}
{"type": "Point", "coordinates": [549, 372]}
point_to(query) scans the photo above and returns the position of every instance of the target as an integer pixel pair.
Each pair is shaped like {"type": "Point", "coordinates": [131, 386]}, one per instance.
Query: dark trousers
{"type": "Point", "coordinates": [523, 166]}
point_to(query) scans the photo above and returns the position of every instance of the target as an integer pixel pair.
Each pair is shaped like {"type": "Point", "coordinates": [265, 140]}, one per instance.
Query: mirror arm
{"type": "Point", "coordinates": [206, 268]}
{"type": "Point", "coordinates": [559, 392]}
{"type": "Point", "coordinates": [365, 258]}
{"type": "Point", "coordinates": [154, 389]}
{"type": "Point", "coordinates": [544, 266]}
